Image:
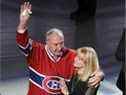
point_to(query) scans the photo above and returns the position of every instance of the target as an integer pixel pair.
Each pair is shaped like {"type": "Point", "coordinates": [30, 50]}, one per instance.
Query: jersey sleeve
{"type": "Point", "coordinates": [24, 42]}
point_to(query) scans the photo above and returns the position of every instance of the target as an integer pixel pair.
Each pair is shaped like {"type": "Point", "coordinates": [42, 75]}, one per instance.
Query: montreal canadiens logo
{"type": "Point", "coordinates": [52, 85]}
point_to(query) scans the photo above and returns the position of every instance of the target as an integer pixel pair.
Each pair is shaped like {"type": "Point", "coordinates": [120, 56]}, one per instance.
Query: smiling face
{"type": "Point", "coordinates": [85, 62]}
{"type": "Point", "coordinates": [55, 43]}
{"type": "Point", "coordinates": [81, 61]}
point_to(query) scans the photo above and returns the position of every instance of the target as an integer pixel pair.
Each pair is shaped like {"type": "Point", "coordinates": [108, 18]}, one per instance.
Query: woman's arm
{"type": "Point", "coordinates": [64, 88]}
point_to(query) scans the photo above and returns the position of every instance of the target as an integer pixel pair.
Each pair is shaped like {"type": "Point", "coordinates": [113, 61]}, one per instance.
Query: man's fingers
{"type": "Point", "coordinates": [94, 84]}
{"type": "Point", "coordinates": [92, 78]}
{"type": "Point", "coordinates": [29, 6]}
{"type": "Point", "coordinates": [94, 73]}
{"type": "Point", "coordinates": [26, 9]}
{"type": "Point", "coordinates": [21, 8]}
{"type": "Point", "coordinates": [30, 9]}
{"type": "Point", "coordinates": [94, 81]}
{"type": "Point", "coordinates": [25, 3]}
{"type": "Point", "coordinates": [97, 85]}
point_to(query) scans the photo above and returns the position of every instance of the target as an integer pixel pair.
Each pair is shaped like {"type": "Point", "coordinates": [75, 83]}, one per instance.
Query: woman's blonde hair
{"type": "Point", "coordinates": [92, 61]}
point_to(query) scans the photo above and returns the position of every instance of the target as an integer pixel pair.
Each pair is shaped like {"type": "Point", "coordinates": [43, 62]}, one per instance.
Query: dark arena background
{"type": "Point", "coordinates": [96, 23]}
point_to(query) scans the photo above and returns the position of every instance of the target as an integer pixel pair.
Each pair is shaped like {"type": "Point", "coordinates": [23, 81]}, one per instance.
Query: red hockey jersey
{"type": "Point", "coordinates": [44, 72]}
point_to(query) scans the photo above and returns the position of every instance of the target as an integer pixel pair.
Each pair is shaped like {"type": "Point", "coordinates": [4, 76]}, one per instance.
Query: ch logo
{"type": "Point", "coordinates": [52, 85]}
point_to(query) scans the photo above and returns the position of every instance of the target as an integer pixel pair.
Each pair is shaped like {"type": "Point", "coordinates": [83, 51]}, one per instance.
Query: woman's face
{"type": "Point", "coordinates": [80, 61]}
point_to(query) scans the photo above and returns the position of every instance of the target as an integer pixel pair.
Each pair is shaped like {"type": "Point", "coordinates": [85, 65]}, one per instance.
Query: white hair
{"type": "Point", "coordinates": [56, 31]}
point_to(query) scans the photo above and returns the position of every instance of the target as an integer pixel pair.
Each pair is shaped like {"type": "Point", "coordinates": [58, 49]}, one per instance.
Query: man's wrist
{"type": "Point", "coordinates": [21, 28]}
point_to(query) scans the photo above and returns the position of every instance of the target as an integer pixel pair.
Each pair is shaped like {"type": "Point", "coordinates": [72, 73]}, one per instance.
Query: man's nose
{"type": "Point", "coordinates": [58, 47]}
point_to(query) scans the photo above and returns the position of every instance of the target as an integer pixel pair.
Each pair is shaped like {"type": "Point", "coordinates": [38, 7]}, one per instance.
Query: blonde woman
{"type": "Point", "coordinates": [86, 63]}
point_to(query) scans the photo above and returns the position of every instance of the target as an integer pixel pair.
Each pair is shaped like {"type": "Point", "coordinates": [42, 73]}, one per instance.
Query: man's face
{"type": "Point", "coordinates": [55, 43]}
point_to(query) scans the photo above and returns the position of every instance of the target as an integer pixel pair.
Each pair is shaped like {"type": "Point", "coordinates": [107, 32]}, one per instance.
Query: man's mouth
{"type": "Point", "coordinates": [77, 68]}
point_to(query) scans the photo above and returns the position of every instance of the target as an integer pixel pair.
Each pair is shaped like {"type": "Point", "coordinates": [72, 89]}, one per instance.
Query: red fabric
{"type": "Point", "coordinates": [22, 39]}
{"type": "Point", "coordinates": [39, 60]}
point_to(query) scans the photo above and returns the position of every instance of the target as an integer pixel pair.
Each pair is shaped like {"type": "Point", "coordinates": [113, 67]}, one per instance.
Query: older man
{"type": "Point", "coordinates": [48, 63]}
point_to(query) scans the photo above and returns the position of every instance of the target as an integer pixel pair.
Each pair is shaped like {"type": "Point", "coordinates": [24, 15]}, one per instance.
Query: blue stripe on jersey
{"type": "Point", "coordinates": [25, 50]}
{"type": "Point", "coordinates": [36, 78]}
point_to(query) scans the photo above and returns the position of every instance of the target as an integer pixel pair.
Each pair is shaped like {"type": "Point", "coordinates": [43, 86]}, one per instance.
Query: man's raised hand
{"type": "Point", "coordinates": [25, 12]}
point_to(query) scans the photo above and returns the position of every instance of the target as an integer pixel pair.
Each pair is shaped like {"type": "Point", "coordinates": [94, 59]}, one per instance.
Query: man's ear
{"type": "Point", "coordinates": [46, 41]}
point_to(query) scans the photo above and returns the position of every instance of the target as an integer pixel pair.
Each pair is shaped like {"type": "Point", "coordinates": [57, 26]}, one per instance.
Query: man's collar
{"type": "Point", "coordinates": [51, 55]}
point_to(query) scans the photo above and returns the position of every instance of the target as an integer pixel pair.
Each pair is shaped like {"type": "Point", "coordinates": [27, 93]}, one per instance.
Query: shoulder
{"type": "Point", "coordinates": [69, 50]}
{"type": "Point", "coordinates": [70, 53]}
{"type": "Point", "coordinates": [38, 44]}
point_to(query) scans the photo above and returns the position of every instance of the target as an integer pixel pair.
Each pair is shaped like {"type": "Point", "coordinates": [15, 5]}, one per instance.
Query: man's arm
{"type": "Point", "coordinates": [25, 11]}
{"type": "Point", "coordinates": [96, 78]}
{"type": "Point", "coordinates": [22, 38]}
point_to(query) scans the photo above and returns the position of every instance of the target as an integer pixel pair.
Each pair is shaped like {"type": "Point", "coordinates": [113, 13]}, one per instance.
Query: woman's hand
{"type": "Point", "coordinates": [64, 88]}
